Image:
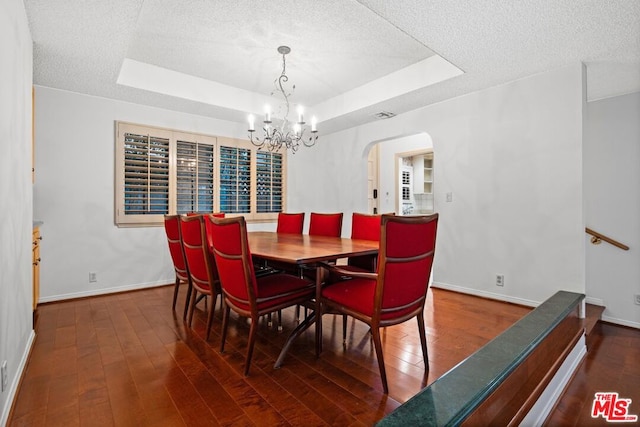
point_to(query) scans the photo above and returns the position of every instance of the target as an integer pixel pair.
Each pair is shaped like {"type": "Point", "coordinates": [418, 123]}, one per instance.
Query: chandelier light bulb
{"type": "Point", "coordinates": [252, 123]}
{"type": "Point", "coordinates": [267, 113]}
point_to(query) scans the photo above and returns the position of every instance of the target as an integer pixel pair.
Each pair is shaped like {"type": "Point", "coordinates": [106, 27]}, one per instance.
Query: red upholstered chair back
{"type": "Point", "coordinates": [325, 224]}
{"type": "Point", "coordinates": [172, 229]}
{"type": "Point", "coordinates": [365, 226]}
{"type": "Point", "coordinates": [290, 223]}
{"type": "Point", "coordinates": [206, 223]}
{"type": "Point", "coordinates": [407, 247]}
{"type": "Point", "coordinates": [233, 259]}
{"type": "Point", "coordinates": [216, 214]}
{"type": "Point", "coordinates": [202, 268]}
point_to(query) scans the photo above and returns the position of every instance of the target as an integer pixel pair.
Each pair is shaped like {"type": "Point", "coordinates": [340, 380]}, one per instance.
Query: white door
{"type": "Point", "coordinates": [372, 180]}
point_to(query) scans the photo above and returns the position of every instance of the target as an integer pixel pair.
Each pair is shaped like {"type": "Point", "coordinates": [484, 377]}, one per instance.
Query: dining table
{"type": "Point", "coordinates": [303, 250]}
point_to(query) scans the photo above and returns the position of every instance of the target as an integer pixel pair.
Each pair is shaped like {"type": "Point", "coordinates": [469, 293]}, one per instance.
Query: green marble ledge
{"type": "Point", "coordinates": [451, 398]}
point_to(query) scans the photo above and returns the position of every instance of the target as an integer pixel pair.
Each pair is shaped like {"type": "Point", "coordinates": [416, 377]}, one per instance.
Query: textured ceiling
{"type": "Point", "coordinates": [207, 57]}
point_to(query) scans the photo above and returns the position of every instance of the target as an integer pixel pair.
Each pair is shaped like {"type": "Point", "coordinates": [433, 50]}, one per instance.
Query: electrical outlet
{"type": "Point", "coordinates": [93, 277]}
{"type": "Point", "coordinates": [5, 377]}
{"type": "Point", "coordinates": [636, 299]}
{"type": "Point", "coordinates": [500, 280]}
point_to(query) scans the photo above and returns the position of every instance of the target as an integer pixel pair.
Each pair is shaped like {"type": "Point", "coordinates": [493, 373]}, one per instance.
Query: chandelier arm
{"type": "Point", "coordinates": [284, 78]}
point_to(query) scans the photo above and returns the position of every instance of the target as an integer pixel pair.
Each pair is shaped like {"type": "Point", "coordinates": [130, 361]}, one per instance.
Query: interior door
{"type": "Point", "coordinates": [372, 180]}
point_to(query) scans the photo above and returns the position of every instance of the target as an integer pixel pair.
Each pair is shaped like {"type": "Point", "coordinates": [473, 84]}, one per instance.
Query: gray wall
{"type": "Point", "coordinates": [612, 196]}
{"type": "Point", "coordinates": [16, 329]}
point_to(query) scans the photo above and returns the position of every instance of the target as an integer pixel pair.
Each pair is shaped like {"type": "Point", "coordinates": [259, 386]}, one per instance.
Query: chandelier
{"type": "Point", "coordinates": [289, 134]}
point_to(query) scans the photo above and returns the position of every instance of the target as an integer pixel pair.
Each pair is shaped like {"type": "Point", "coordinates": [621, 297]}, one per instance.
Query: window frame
{"type": "Point", "coordinates": [128, 220]}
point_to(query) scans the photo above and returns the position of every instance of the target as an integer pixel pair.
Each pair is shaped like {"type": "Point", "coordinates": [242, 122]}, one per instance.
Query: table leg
{"type": "Point", "coordinates": [302, 326]}
{"type": "Point", "coordinates": [319, 275]}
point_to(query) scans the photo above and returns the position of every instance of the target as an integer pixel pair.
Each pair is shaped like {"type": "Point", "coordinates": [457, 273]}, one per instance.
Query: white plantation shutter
{"type": "Point", "coordinates": [146, 175]}
{"type": "Point", "coordinates": [235, 180]}
{"type": "Point", "coordinates": [269, 170]}
{"type": "Point", "coordinates": [162, 171]}
{"type": "Point", "coordinates": [195, 181]}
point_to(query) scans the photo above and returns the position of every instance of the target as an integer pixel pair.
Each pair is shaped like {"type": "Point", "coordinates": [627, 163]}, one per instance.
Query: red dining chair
{"type": "Point", "coordinates": [320, 224]}
{"type": "Point", "coordinates": [325, 224]}
{"type": "Point", "coordinates": [288, 223]}
{"type": "Point", "coordinates": [292, 223]}
{"type": "Point", "coordinates": [243, 293]}
{"type": "Point", "coordinates": [364, 227]}
{"type": "Point", "coordinates": [217, 215]}
{"type": "Point", "coordinates": [200, 263]}
{"type": "Point", "coordinates": [174, 238]}
{"type": "Point", "coordinates": [398, 290]}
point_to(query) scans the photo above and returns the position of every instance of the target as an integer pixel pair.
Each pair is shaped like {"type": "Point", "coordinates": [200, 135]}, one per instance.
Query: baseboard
{"type": "Point", "coordinates": [13, 388]}
{"type": "Point", "coordinates": [105, 291]}
{"type": "Point", "coordinates": [621, 322]}
{"type": "Point", "coordinates": [594, 301]}
{"type": "Point", "coordinates": [485, 294]}
{"type": "Point", "coordinates": [547, 400]}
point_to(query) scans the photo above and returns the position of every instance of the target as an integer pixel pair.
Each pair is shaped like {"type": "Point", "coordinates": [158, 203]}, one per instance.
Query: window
{"type": "Point", "coordinates": [269, 182]}
{"type": "Point", "coordinates": [195, 183]}
{"type": "Point", "coordinates": [160, 171]}
{"type": "Point", "coordinates": [235, 180]}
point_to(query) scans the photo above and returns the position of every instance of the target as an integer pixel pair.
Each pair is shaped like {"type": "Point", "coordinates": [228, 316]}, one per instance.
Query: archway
{"type": "Point", "coordinates": [384, 173]}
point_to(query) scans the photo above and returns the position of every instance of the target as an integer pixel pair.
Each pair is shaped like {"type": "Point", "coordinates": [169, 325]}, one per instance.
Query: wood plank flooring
{"type": "Point", "coordinates": [128, 359]}
{"type": "Point", "coordinates": [612, 365]}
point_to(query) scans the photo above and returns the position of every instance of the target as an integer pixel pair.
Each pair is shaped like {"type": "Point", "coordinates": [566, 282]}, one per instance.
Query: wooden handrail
{"type": "Point", "coordinates": [597, 237]}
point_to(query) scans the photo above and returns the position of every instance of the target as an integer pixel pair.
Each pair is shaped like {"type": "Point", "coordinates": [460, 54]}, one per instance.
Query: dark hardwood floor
{"type": "Point", "coordinates": [612, 365]}
{"type": "Point", "coordinates": [128, 359]}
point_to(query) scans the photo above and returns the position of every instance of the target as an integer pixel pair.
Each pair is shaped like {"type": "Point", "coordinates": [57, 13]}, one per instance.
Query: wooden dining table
{"type": "Point", "coordinates": [305, 250]}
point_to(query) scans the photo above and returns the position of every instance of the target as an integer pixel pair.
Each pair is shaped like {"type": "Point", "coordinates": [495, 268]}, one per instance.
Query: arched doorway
{"type": "Point", "coordinates": [384, 177]}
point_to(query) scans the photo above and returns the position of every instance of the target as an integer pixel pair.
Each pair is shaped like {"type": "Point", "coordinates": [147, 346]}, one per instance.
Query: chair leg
{"type": "Point", "coordinates": [192, 308]}
{"type": "Point", "coordinates": [175, 293]}
{"type": "Point", "coordinates": [225, 323]}
{"type": "Point", "coordinates": [377, 343]}
{"type": "Point", "coordinates": [187, 303]}
{"type": "Point", "coordinates": [279, 320]}
{"type": "Point", "coordinates": [252, 340]}
{"type": "Point", "coordinates": [423, 340]}
{"type": "Point", "coordinates": [344, 329]}
{"type": "Point", "coordinates": [214, 297]}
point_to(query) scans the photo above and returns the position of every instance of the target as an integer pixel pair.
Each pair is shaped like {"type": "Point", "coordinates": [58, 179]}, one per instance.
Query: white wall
{"type": "Point", "coordinates": [612, 196]}
{"type": "Point", "coordinates": [512, 157]}
{"type": "Point", "coordinates": [16, 328]}
{"type": "Point", "coordinates": [74, 195]}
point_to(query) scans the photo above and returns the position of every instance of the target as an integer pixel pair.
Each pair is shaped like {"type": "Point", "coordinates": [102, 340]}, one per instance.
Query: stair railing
{"type": "Point", "coordinates": [598, 238]}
